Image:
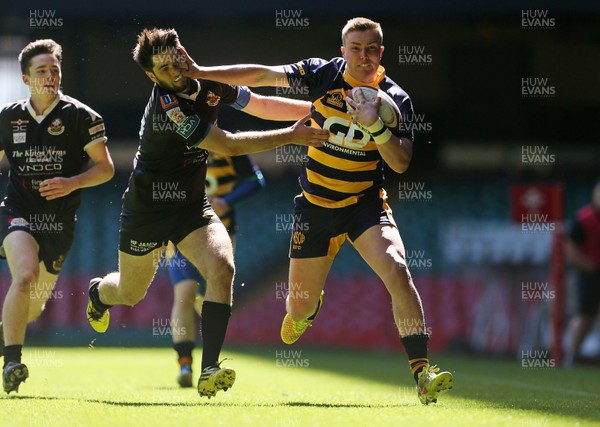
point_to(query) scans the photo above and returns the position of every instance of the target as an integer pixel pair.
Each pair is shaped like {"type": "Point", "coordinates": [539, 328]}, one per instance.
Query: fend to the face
{"type": "Point", "coordinates": [362, 51]}
{"type": "Point", "coordinates": [43, 76]}
{"type": "Point", "coordinates": [167, 72]}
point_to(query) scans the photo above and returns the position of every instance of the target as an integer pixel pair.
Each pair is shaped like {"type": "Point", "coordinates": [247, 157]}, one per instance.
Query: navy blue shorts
{"type": "Point", "coordinates": [319, 231]}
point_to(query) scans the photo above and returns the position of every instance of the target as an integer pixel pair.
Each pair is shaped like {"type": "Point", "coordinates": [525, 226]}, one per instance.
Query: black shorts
{"type": "Point", "coordinates": [319, 231]}
{"type": "Point", "coordinates": [141, 233]}
{"type": "Point", "coordinates": [53, 233]}
{"type": "Point", "coordinates": [588, 287]}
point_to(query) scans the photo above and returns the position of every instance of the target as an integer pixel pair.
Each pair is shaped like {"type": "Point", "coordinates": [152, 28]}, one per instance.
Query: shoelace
{"type": "Point", "coordinates": [95, 314]}
{"type": "Point", "coordinates": [433, 369]}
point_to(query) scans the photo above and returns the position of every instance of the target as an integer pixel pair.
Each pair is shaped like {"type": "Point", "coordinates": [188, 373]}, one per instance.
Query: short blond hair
{"type": "Point", "coordinates": [361, 24]}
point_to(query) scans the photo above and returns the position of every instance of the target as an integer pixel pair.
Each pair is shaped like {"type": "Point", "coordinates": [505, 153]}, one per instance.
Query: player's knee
{"type": "Point", "coordinates": [397, 275]}
{"type": "Point", "coordinates": [25, 278]}
{"type": "Point", "coordinates": [131, 298]}
{"type": "Point", "coordinates": [223, 271]}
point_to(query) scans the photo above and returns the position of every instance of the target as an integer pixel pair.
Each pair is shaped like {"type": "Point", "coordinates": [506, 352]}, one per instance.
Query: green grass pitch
{"type": "Point", "coordinates": [292, 387]}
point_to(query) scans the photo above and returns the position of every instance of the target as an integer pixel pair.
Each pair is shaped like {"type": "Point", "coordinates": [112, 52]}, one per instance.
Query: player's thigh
{"type": "Point", "coordinates": [210, 250]}
{"type": "Point", "coordinates": [137, 271]}
{"type": "Point", "coordinates": [21, 251]}
{"type": "Point", "coordinates": [382, 248]}
{"type": "Point", "coordinates": [307, 278]}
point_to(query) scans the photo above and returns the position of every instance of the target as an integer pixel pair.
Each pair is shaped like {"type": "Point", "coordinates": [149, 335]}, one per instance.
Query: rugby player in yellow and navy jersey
{"type": "Point", "coordinates": [229, 180]}
{"type": "Point", "coordinates": [49, 140]}
{"type": "Point", "coordinates": [166, 200]}
{"type": "Point", "coordinates": [342, 187]}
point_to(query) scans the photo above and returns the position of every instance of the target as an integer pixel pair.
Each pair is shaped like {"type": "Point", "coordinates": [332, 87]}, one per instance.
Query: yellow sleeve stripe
{"type": "Point", "coordinates": [336, 184]}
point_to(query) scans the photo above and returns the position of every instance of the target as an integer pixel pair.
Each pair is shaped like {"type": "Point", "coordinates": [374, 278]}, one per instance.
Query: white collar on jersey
{"type": "Point", "coordinates": [193, 95]}
{"type": "Point", "coordinates": [47, 111]}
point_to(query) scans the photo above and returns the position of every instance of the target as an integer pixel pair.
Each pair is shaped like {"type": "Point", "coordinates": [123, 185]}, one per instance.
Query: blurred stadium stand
{"type": "Point", "coordinates": [468, 257]}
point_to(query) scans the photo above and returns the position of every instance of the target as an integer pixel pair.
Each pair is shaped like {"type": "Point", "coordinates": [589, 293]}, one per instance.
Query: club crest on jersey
{"type": "Point", "coordinates": [335, 99]}
{"type": "Point", "coordinates": [56, 127]}
{"type": "Point", "coordinates": [176, 115]}
{"type": "Point", "coordinates": [212, 99]}
{"type": "Point", "coordinates": [17, 222]}
{"type": "Point", "coordinates": [168, 101]}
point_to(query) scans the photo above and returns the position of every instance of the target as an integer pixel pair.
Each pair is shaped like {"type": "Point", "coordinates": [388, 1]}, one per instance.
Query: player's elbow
{"type": "Point", "coordinates": [263, 77]}
{"type": "Point", "coordinates": [399, 168]}
{"type": "Point", "coordinates": [399, 165]}
{"type": "Point", "coordinates": [109, 170]}
{"type": "Point", "coordinates": [106, 172]}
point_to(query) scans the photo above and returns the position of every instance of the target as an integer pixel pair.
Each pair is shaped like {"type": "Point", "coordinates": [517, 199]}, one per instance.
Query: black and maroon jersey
{"type": "Point", "coordinates": [170, 169]}
{"type": "Point", "coordinates": [585, 232]}
{"type": "Point", "coordinates": [50, 145]}
{"type": "Point", "coordinates": [349, 164]}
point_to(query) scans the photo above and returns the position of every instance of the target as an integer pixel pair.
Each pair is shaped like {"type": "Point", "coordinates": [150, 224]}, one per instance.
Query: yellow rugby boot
{"type": "Point", "coordinates": [432, 384]}
{"type": "Point", "coordinates": [292, 330]}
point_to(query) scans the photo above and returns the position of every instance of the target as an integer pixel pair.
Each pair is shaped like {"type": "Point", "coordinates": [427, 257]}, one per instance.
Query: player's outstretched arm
{"type": "Point", "coordinates": [102, 170]}
{"type": "Point", "coordinates": [235, 144]}
{"type": "Point", "coordinates": [276, 107]}
{"type": "Point", "coordinates": [252, 75]}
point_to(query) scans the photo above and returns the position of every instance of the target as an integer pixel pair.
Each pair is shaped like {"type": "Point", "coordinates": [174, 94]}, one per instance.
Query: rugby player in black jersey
{"type": "Point", "coordinates": [229, 180]}
{"type": "Point", "coordinates": [166, 201]}
{"type": "Point", "coordinates": [342, 187]}
{"type": "Point", "coordinates": [48, 141]}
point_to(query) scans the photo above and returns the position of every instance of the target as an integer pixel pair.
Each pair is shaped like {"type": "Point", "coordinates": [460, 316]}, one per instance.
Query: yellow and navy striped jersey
{"type": "Point", "coordinates": [349, 164]}
{"type": "Point", "coordinates": [233, 179]}
{"type": "Point", "coordinates": [221, 175]}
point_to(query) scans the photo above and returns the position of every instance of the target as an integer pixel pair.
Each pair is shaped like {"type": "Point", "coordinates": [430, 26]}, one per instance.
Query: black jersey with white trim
{"type": "Point", "coordinates": [170, 169]}
{"type": "Point", "coordinates": [349, 164]}
{"type": "Point", "coordinates": [50, 145]}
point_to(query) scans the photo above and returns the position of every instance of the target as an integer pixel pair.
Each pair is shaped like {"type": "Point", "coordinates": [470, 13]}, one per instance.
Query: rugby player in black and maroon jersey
{"type": "Point", "coordinates": [166, 199]}
{"type": "Point", "coordinates": [48, 141]}
{"type": "Point", "coordinates": [583, 252]}
{"type": "Point", "coordinates": [342, 187]}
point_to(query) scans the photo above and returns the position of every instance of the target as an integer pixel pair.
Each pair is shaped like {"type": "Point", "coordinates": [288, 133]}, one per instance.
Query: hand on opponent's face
{"type": "Point", "coordinates": [188, 66]}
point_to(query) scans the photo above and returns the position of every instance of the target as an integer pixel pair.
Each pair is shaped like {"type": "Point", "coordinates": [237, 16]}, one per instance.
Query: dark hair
{"type": "Point", "coordinates": [39, 47]}
{"type": "Point", "coordinates": [151, 42]}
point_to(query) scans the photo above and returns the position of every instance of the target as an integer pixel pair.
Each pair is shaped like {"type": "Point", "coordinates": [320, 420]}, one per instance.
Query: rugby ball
{"type": "Point", "coordinates": [388, 110]}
